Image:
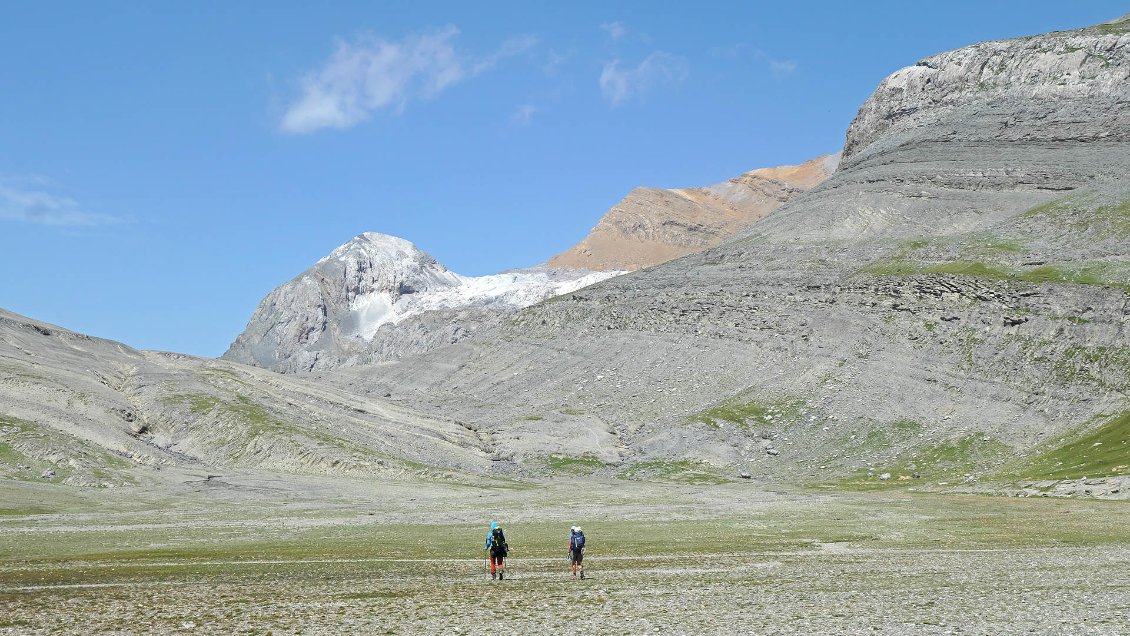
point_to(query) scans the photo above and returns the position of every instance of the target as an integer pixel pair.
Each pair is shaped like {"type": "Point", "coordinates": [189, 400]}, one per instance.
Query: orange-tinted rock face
{"type": "Point", "coordinates": [652, 226]}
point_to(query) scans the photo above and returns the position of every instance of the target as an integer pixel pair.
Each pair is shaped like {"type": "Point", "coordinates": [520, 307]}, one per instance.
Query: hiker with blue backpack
{"type": "Point", "coordinates": [497, 549]}
{"type": "Point", "coordinates": [577, 550]}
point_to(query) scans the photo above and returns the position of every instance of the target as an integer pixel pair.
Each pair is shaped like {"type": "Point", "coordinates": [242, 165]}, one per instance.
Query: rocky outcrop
{"type": "Point", "coordinates": [379, 297]}
{"type": "Point", "coordinates": [652, 226]}
{"type": "Point", "coordinates": [1007, 86]}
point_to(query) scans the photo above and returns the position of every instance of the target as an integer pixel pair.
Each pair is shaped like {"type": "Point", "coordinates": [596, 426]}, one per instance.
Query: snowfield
{"type": "Point", "coordinates": [407, 282]}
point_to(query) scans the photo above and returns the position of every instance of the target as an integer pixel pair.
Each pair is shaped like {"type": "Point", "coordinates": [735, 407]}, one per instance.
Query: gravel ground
{"type": "Point", "coordinates": [733, 560]}
{"type": "Point", "coordinates": [1017, 591]}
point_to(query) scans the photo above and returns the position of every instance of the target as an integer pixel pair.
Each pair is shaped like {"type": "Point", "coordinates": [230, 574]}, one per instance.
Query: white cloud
{"type": "Point", "coordinates": [780, 69]}
{"type": "Point", "coordinates": [19, 202]}
{"type": "Point", "coordinates": [554, 61]}
{"type": "Point", "coordinates": [619, 84]}
{"type": "Point", "coordinates": [615, 30]}
{"type": "Point", "coordinates": [523, 115]}
{"type": "Point", "coordinates": [374, 74]}
{"type": "Point", "coordinates": [511, 47]}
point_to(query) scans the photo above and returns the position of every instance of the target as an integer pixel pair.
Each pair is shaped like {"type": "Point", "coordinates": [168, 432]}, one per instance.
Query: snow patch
{"type": "Point", "coordinates": [412, 283]}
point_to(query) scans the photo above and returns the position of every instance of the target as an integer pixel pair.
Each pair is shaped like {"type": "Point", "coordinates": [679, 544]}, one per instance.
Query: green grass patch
{"type": "Point", "coordinates": [1106, 273]}
{"type": "Point", "coordinates": [948, 460]}
{"type": "Point", "coordinates": [1102, 452]}
{"type": "Point", "coordinates": [1113, 273]}
{"type": "Point", "coordinates": [966, 268]}
{"type": "Point", "coordinates": [892, 268]}
{"type": "Point", "coordinates": [1116, 28]}
{"type": "Point", "coordinates": [533, 418]}
{"type": "Point", "coordinates": [684, 471]}
{"type": "Point", "coordinates": [575, 464]}
{"type": "Point", "coordinates": [1083, 213]}
{"type": "Point", "coordinates": [752, 413]}
{"type": "Point", "coordinates": [992, 245]}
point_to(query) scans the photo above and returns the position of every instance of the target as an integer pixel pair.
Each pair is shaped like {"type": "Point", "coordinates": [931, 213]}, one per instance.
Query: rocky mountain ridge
{"type": "Point", "coordinates": [651, 225]}
{"type": "Point", "coordinates": [951, 303]}
{"type": "Point", "coordinates": [378, 297]}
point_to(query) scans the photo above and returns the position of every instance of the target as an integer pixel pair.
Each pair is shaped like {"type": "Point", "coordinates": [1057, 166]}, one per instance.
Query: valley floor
{"type": "Point", "coordinates": [254, 554]}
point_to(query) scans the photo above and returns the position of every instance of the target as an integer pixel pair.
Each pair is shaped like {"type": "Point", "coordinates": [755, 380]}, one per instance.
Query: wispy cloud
{"type": "Point", "coordinates": [511, 47]}
{"type": "Point", "coordinates": [619, 84]}
{"type": "Point", "coordinates": [554, 61]}
{"type": "Point", "coordinates": [615, 30]}
{"type": "Point", "coordinates": [780, 69]}
{"type": "Point", "coordinates": [372, 74]}
{"type": "Point", "coordinates": [31, 201]}
{"type": "Point", "coordinates": [523, 115]}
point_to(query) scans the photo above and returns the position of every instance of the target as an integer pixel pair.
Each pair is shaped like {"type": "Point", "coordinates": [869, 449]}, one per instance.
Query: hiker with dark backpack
{"type": "Point", "coordinates": [577, 550]}
{"type": "Point", "coordinates": [497, 549]}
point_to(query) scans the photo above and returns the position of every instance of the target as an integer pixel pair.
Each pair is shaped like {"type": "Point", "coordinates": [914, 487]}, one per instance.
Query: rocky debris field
{"type": "Point", "coordinates": [255, 555]}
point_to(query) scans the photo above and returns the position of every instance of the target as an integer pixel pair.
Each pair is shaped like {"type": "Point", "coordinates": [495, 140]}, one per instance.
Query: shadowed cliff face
{"type": "Point", "coordinates": [952, 298]}
{"type": "Point", "coordinates": [652, 226]}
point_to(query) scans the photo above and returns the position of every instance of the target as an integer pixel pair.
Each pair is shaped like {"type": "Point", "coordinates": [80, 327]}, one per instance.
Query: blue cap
{"type": "Point", "coordinates": [493, 525]}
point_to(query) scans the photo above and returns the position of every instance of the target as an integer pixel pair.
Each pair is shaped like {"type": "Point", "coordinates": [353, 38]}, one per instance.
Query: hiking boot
{"type": "Point", "coordinates": [582, 574]}
{"type": "Point", "coordinates": [493, 576]}
{"type": "Point", "coordinates": [500, 575]}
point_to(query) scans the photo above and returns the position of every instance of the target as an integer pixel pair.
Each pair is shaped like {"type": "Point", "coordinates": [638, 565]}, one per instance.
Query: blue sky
{"type": "Point", "coordinates": [162, 167]}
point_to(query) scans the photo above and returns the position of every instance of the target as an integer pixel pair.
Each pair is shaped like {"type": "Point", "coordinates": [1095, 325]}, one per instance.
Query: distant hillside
{"type": "Point", "coordinates": [652, 226]}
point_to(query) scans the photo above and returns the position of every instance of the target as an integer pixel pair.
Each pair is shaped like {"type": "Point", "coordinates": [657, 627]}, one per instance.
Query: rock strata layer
{"type": "Point", "coordinates": [652, 226]}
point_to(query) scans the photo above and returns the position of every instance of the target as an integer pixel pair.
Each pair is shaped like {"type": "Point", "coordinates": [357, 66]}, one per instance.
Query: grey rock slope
{"type": "Point", "coordinates": [379, 297]}
{"type": "Point", "coordinates": [90, 412]}
{"type": "Point", "coordinates": [951, 304]}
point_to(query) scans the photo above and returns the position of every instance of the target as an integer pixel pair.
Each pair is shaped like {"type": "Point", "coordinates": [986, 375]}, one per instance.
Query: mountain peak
{"type": "Point", "coordinates": [330, 314]}
{"type": "Point", "coordinates": [381, 246]}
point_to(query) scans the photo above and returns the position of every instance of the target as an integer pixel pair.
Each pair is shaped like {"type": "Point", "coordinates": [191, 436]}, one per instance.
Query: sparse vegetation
{"type": "Point", "coordinates": [684, 471]}
{"type": "Point", "coordinates": [1099, 452]}
{"type": "Point", "coordinates": [1115, 28]}
{"type": "Point", "coordinates": [324, 570]}
{"type": "Point", "coordinates": [1085, 213]}
{"type": "Point", "coordinates": [969, 456]}
{"type": "Point", "coordinates": [1108, 273]}
{"type": "Point", "coordinates": [752, 413]}
{"type": "Point", "coordinates": [575, 464]}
